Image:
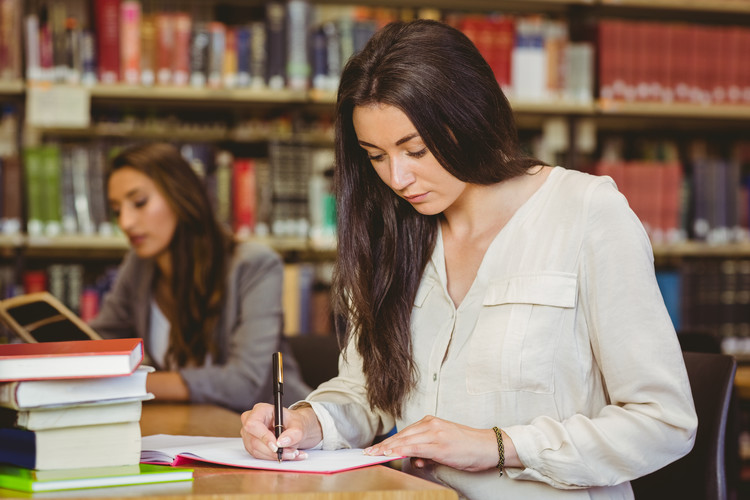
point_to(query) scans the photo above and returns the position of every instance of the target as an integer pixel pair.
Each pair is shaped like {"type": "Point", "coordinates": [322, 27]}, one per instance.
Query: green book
{"type": "Point", "coordinates": [33, 170]}
{"type": "Point", "coordinates": [51, 187]}
{"type": "Point", "coordinates": [30, 480]}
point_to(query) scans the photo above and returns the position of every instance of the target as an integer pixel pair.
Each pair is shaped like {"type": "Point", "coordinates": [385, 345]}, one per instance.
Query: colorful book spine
{"type": "Point", "coordinates": [276, 45]}
{"type": "Point", "coordinates": [244, 196]}
{"type": "Point", "coordinates": [297, 45]}
{"type": "Point", "coordinates": [107, 23]}
{"type": "Point", "coordinates": [181, 69]}
{"type": "Point", "coordinates": [130, 43]}
{"type": "Point", "coordinates": [199, 55]}
{"type": "Point", "coordinates": [165, 47]}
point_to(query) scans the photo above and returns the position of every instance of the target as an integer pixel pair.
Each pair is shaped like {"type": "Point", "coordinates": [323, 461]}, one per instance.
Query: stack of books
{"type": "Point", "coordinates": [70, 415]}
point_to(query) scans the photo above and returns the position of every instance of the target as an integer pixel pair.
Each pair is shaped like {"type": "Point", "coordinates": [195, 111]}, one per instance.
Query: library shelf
{"type": "Point", "coordinates": [12, 87]}
{"type": "Point", "coordinates": [701, 249]}
{"type": "Point", "coordinates": [673, 110]}
{"type": "Point", "coordinates": [554, 107]}
{"type": "Point", "coordinates": [205, 94]}
{"type": "Point", "coordinates": [736, 6]}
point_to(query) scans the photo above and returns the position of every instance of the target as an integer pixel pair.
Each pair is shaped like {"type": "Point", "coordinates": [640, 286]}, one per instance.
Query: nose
{"type": "Point", "coordinates": [401, 173]}
{"type": "Point", "coordinates": [126, 219]}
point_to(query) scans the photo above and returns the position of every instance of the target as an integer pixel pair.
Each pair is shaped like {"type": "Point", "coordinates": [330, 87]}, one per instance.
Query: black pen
{"type": "Point", "coordinates": [278, 391]}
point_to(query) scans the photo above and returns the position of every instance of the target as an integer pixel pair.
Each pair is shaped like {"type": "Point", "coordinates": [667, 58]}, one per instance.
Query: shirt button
{"type": "Point", "coordinates": [434, 377]}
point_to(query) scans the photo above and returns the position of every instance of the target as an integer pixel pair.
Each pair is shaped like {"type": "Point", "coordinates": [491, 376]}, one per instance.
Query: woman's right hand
{"type": "Point", "coordinates": [301, 430]}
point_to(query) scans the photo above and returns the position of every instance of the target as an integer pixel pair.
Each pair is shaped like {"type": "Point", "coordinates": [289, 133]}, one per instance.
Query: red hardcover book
{"type": "Point", "coordinates": [606, 61]}
{"type": "Point", "coordinates": [165, 40]}
{"type": "Point", "coordinates": [71, 359]}
{"type": "Point", "coordinates": [107, 19]}
{"type": "Point", "coordinates": [502, 34]}
{"type": "Point", "coordinates": [181, 63]}
{"type": "Point", "coordinates": [734, 64]}
{"type": "Point", "coordinates": [244, 196]}
{"type": "Point", "coordinates": [672, 200]}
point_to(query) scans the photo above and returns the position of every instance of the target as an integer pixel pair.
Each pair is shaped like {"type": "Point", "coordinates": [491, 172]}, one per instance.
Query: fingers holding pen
{"type": "Point", "coordinates": [258, 436]}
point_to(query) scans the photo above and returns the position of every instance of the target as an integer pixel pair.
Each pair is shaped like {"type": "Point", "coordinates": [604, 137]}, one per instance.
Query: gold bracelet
{"type": "Point", "coordinates": [500, 450]}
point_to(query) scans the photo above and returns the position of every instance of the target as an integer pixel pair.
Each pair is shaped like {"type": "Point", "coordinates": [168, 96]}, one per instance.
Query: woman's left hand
{"type": "Point", "coordinates": [447, 443]}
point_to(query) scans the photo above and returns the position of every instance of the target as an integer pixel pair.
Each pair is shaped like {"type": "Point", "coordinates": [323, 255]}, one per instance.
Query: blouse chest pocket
{"type": "Point", "coordinates": [515, 339]}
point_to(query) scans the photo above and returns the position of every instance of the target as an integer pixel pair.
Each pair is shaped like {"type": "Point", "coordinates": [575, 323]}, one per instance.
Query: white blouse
{"type": "Point", "coordinates": [563, 341]}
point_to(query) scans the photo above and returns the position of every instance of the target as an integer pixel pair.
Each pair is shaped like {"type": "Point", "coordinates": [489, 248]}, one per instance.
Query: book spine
{"type": "Point", "coordinates": [32, 163]}
{"type": "Point", "coordinates": [199, 53]}
{"type": "Point", "coordinates": [10, 20]}
{"type": "Point", "coordinates": [12, 189]}
{"type": "Point", "coordinates": [216, 50]}
{"type": "Point", "coordinates": [242, 41]}
{"type": "Point", "coordinates": [165, 41]}
{"type": "Point", "coordinates": [130, 43]}
{"type": "Point", "coordinates": [244, 196]}
{"type": "Point", "coordinates": [297, 44]}
{"type": "Point", "coordinates": [51, 189]}
{"type": "Point", "coordinates": [148, 50]}
{"type": "Point", "coordinates": [258, 54]}
{"type": "Point", "coordinates": [57, 16]}
{"type": "Point", "coordinates": [33, 57]}
{"type": "Point", "coordinates": [276, 45]}
{"type": "Point", "coordinates": [46, 60]}
{"type": "Point", "coordinates": [181, 65]}
{"type": "Point", "coordinates": [224, 186]}
{"type": "Point", "coordinates": [229, 71]}
{"type": "Point", "coordinates": [107, 22]}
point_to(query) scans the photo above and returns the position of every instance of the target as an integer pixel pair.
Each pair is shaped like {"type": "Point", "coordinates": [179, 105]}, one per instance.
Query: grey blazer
{"type": "Point", "coordinates": [249, 329]}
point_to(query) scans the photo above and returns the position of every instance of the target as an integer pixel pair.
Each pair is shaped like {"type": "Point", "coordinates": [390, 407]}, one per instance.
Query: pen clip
{"type": "Point", "coordinates": [278, 373]}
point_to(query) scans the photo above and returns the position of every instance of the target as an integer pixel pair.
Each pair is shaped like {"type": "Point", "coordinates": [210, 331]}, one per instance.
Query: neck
{"type": "Point", "coordinates": [469, 217]}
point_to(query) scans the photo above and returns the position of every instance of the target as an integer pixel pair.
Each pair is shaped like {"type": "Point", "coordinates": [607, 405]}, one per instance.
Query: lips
{"type": "Point", "coordinates": [415, 198]}
{"type": "Point", "coordinates": [136, 240]}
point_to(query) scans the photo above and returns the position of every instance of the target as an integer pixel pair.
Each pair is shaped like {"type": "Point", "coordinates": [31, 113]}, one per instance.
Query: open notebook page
{"type": "Point", "coordinates": [176, 450]}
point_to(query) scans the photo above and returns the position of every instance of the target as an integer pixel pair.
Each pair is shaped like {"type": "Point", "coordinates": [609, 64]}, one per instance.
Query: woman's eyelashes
{"type": "Point", "coordinates": [413, 154]}
{"type": "Point", "coordinates": [139, 203]}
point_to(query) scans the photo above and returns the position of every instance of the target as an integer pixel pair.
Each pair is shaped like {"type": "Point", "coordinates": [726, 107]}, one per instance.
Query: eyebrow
{"type": "Point", "coordinates": [399, 142]}
{"type": "Point", "coordinates": [128, 195]}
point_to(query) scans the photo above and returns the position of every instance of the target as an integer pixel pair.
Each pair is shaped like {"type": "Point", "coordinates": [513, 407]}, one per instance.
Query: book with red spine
{"type": "Point", "coordinates": [130, 44]}
{"type": "Point", "coordinates": [181, 62]}
{"type": "Point", "coordinates": [244, 196]}
{"type": "Point", "coordinates": [70, 359]}
{"type": "Point", "coordinates": [107, 22]}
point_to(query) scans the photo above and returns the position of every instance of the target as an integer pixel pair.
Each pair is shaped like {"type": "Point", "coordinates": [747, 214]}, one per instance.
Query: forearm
{"type": "Point", "coordinates": [168, 386]}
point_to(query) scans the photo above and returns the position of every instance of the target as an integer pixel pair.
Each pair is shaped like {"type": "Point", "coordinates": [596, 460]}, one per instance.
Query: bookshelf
{"type": "Point", "coordinates": [232, 105]}
{"type": "Point", "coordinates": [251, 118]}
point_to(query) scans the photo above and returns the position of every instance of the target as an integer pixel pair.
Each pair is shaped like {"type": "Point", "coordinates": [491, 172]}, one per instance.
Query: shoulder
{"type": "Point", "coordinates": [135, 268]}
{"type": "Point", "coordinates": [254, 256]}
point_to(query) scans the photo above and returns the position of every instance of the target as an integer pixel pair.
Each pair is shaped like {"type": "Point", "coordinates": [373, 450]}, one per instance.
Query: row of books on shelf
{"type": "Point", "coordinates": [701, 197]}
{"type": "Point", "coordinates": [70, 413]}
{"type": "Point", "coordinates": [710, 295]}
{"type": "Point", "coordinates": [673, 62]}
{"type": "Point", "coordinates": [298, 45]}
{"type": "Point", "coordinates": [292, 44]}
{"type": "Point", "coordinates": [60, 189]}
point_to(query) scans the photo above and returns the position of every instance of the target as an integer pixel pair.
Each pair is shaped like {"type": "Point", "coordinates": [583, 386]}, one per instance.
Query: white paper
{"type": "Point", "coordinates": [164, 448]}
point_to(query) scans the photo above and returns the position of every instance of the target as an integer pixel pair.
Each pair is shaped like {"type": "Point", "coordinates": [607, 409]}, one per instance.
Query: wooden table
{"type": "Point", "coordinates": [219, 483]}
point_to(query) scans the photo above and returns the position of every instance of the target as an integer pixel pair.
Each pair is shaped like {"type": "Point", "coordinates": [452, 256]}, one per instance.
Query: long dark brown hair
{"type": "Point", "coordinates": [435, 75]}
{"type": "Point", "coordinates": [200, 249]}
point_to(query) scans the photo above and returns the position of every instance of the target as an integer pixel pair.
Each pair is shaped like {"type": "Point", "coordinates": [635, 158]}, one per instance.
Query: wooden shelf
{"type": "Point", "coordinates": [12, 87]}
{"type": "Point", "coordinates": [701, 249]}
{"type": "Point", "coordinates": [159, 93]}
{"type": "Point", "coordinates": [674, 110]}
{"type": "Point", "coordinates": [739, 6]}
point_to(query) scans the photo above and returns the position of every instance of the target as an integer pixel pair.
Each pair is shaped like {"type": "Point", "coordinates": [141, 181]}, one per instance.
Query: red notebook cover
{"type": "Point", "coordinates": [70, 359]}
